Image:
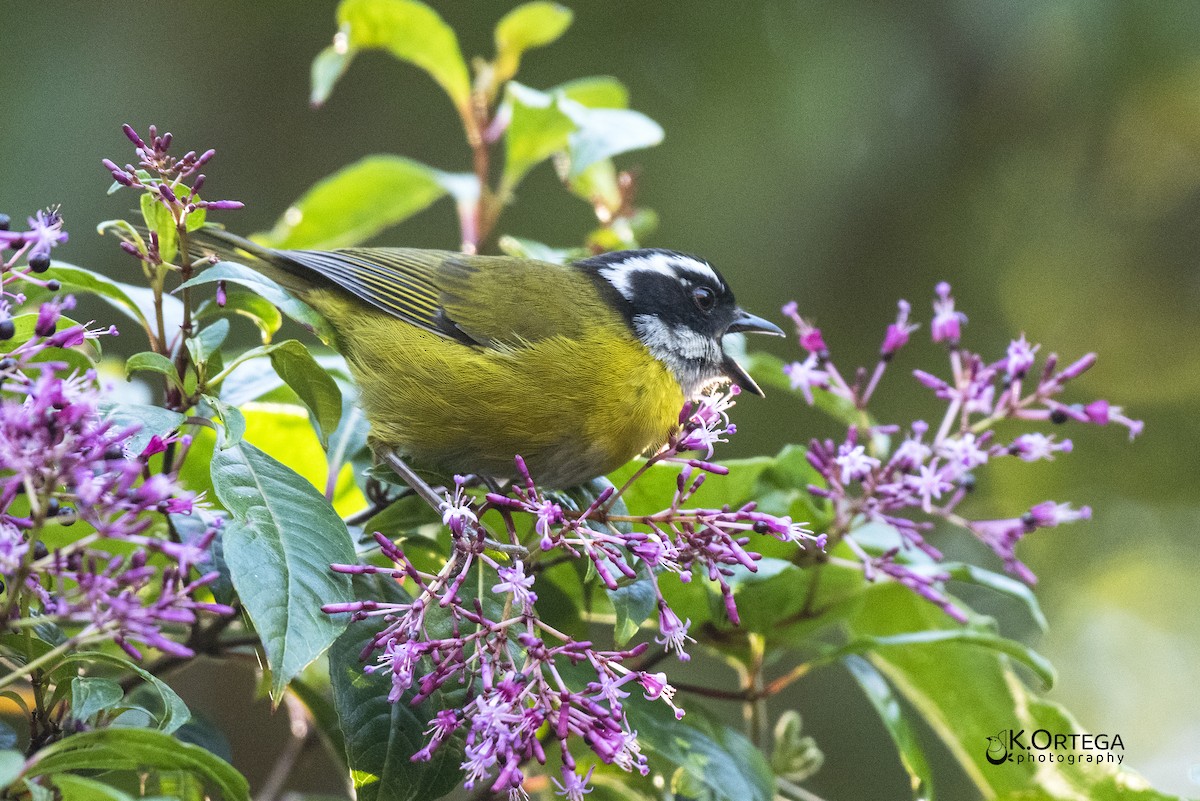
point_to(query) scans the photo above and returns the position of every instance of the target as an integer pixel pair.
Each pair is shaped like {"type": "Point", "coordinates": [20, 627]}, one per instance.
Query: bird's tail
{"type": "Point", "coordinates": [220, 245]}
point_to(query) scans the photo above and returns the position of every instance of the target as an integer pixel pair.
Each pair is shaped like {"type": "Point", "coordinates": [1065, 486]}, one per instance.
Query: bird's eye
{"type": "Point", "coordinates": [705, 298]}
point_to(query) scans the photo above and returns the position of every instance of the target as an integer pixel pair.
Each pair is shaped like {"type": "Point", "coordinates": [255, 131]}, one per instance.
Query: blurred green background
{"type": "Point", "coordinates": [1043, 156]}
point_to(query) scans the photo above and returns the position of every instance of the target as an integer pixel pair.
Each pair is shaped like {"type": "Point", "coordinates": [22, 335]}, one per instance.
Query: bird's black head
{"type": "Point", "coordinates": [680, 307]}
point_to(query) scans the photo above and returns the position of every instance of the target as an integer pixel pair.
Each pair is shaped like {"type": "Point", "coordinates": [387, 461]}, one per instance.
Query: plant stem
{"type": "Point", "coordinates": [35, 664]}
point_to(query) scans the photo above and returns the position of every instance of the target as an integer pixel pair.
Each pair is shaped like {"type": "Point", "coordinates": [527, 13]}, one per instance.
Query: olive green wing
{"type": "Point", "coordinates": [488, 301]}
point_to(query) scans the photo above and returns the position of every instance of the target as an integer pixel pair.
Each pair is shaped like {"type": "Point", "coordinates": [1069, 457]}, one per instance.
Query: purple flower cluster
{"type": "Point", "coordinates": [62, 463]}
{"type": "Point", "coordinates": [510, 660]}
{"type": "Point", "coordinates": [881, 473]}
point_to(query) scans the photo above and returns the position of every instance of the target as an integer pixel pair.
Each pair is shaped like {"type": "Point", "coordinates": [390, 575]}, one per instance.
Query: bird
{"type": "Point", "coordinates": [464, 362]}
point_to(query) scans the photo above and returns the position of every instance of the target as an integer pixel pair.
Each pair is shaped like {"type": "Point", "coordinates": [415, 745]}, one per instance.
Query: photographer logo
{"type": "Point", "coordinates": [1041, 745]}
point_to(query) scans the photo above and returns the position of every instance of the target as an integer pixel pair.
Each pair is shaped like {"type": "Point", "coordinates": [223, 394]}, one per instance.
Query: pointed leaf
{"type": "Point", "coordinates": [908, 746]}
{"type": "Point", "coordinates": [279, 550]}
{"type": "Point", "coordinates": [329, 66]}
{"type": "Point", "coordinates": [357, 202]}
{"type": "Point", "coordinates": [410, 31]}
{"type": "Point", "coordinates": [604, 132]}
{"type": "Point", "coordinates": [138, 749]}
{"type": "Point", "coordinates": [527, 26]}
{"type": "Point", "coordinates": [152, 362]}
{"type": "Point", "coordinates": [91, 695]}
{"type": "Point", "coordinates": [319, 392]}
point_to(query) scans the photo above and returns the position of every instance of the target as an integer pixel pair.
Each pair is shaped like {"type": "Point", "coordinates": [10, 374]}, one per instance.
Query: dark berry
{"type": "Point", "coordinates": [114, 452]}
{"type": "Point", "coordinates": [967, 482]}
{"type": "Point", "coordinates": [7, 363]}
{"type": "Point", "coordinates": [5, 221]}
{"type": "Point", "coordinates": [1059, 416]}
{"type": "Point", "coordinates": [67, 516]}
{"type": "Point", "coordinates": [53, 285]}
{"type": "Point", "coordinates": [760, 527]}
{"type": "Point", "coordinates": [40, 551]}
{"type": "Point", "coordinates": [52, 507]}
{"type": "Point", "coordinates": [7, 329]}
{"type": "Point", "coordinates": [39, 263]}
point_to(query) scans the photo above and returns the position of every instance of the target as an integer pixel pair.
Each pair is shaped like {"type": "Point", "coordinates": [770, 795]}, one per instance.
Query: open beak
{"type": "Point", "coordinates": [746, 323]}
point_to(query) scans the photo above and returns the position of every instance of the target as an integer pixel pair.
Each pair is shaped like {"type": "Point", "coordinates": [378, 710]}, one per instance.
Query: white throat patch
{"type": "Point", "coordinates": [694, 359]}
{"type": "Point", "coordinates": [620, 274]}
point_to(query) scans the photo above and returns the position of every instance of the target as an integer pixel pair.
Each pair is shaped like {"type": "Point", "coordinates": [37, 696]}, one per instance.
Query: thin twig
{"type": "Point", "coordinates": [300, 728]}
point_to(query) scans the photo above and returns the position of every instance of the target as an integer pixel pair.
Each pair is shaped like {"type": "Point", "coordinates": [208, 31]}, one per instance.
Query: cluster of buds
{"type": "Point", "coordinates": [931, 470]}
{"type": "Point", "coordinates": [508, 657]}
{"type": "Point", "coordinates": [165, 178]}
{"type": "Point", "coordinates": [62, 464]}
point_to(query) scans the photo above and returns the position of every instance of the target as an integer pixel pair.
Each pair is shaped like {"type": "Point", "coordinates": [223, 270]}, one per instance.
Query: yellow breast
{"type": "Point", "coordinates": [572, 408]}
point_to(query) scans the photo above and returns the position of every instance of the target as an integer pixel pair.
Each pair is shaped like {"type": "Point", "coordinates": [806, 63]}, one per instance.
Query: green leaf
{"type": "Point", "coordinates": [327, 68]}
{"type": "Point", "coordinates": [319, 392]}
{"type": "Point", "coordinates": [279, 550]}
{"type": "Point", "coordinates": [912, 756]}
{"type": "Point", "coordinates": [538, 129]}
{"type": "Point", "coordinates": [964, 693]}
{"type": "Point", "coordinates": [90, 696]}
{"type": "Point", "coordinates": [633, 601]}
{"type": "Point", "coordinates": [973, 574]}
{"type": "Point", "coordinates": [138, 749]}
{"type": "Point", "coordinates": [768, 597]}
{"type": "Point", "coordinates": [1037, 663]}
{"type": "Point", "coordinates": [208, 341]}
{"type": "Point", "coordinates": [541, 123]}
{"type": "Point", "coordinates": [254, 308]}
{"type": "Point", "coordinates": [152, 362]}
{"type": "Point", "coordinates": [795, 756]}
{"type": "Point", "coordinates": [119, 296]}
{"type": "Point", "coordinates": [525, 27]}
{"type": "Point", "coordinates": [381, 737]}
{"type": "Point", "coordinates": [232, 420]}
{"type": "Point", "coordinates": [402, 517]}
{"type": "Point", "coordinates": [151, 421]}
{"type": "Point", "coordinates": [80, 788]}
{"type": "Point", "coordinates": [294, 308]}
{"type": "Point", "coordinates": [12, 763]}
{"type": "Point", "coordinates": [174, 712]}
{"type": "Point", "coordinates": [596, 91]}
{"type": "Point", "coordinates": [159, 220]}
{"type": "Point", "coordinates": [357, 202]}
{"type": "Point", "coordinates": [721, 760]}
{"type": "Point", "coordinates": [410, 31]}
{"type": "Point", "coordinates": [603, 133]}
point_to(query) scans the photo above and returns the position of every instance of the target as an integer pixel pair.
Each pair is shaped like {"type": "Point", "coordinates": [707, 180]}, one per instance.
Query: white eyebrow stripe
{"type": "Point", "coordinates": [620, 274]}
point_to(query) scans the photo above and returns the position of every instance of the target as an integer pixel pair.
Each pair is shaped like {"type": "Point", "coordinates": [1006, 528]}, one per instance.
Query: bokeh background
{"type": "Point", "coordinates": [1042, 155]}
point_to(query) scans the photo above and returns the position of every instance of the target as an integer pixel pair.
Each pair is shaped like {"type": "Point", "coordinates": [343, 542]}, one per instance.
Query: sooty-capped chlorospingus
{"type": "Point", "coordinates": [464, 362]}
